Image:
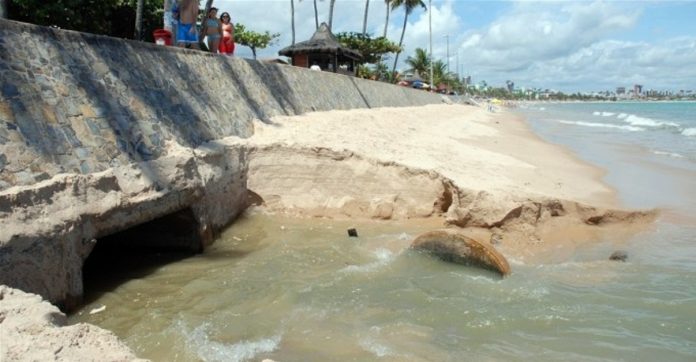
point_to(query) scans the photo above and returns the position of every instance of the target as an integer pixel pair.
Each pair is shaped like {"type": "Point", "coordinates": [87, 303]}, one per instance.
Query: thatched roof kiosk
{"type": "Point", "coordinates": [324, 50]}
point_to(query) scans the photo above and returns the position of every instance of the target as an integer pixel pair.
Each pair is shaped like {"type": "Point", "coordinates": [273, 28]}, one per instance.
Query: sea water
{"type": "Point", "coordinates": [294, 289]}
{"type": "Point", "coordinates": [647, 148]}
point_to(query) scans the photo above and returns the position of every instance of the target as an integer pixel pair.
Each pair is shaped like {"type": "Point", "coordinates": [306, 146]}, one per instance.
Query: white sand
{"type": "Point", "coordinates": [478, 150]}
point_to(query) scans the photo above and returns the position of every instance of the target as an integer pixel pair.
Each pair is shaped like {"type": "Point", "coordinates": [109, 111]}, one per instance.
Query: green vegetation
{"type": "Point", "coordinates": [372, 49]}
{"type": "Point", "coordinates": [419, 63]}
{"type": "Point", "coordinates": [252, 39]}
{"type": "Point", "coordinates": [106, 17]}
{"type": "Point", "coordinates": [409, 6]}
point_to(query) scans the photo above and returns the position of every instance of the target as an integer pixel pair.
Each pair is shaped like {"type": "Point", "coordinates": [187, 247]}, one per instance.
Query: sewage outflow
{"type": "Point", "coordinates": [301, 289]}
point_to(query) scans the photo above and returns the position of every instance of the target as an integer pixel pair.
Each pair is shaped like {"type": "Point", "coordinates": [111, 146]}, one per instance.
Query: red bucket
{"type": "Point", "coordinates": [162, 37]}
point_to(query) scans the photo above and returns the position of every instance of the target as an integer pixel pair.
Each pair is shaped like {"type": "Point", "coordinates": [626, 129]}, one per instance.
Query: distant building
{"type": "Point", "coordinates": [466, 81]}
{"type": "Point", "coordinates": [637, 89]}
{"type": "Point", "coordinates": [620, 90]}
{"type": "Point", "coordinates": [510, 85]}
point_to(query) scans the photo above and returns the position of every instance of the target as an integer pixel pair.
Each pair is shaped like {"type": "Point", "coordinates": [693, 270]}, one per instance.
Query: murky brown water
{"type": "Point", "coordinates": [301, 289]}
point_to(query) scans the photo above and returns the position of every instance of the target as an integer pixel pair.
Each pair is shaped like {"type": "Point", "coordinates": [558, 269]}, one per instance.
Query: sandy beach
{"type": "Point", "coordinates": [509, 182]}
{"type": "Point", "coordinates": [479, 150]}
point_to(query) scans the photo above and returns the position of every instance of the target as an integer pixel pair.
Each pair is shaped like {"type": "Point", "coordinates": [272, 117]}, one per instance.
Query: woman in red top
{"type": "Point", "coordinates": [227, 43]}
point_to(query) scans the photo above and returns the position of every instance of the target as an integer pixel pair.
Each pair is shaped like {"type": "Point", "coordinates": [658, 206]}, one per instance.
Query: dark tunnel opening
{"type": "Point", "coordinates": [139, 251]}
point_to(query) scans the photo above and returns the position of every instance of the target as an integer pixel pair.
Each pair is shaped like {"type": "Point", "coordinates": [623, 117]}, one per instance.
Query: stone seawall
{"type": "Point", "coordinates": [80, 103]}
{"type": "Point", "coordinates": [99, 134]}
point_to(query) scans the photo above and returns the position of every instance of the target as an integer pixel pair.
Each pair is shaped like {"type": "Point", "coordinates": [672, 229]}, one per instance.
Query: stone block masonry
{"type": "Point", "coordinates": [99, 134]}
{"type": "Point", "coordinates": [80, 103]}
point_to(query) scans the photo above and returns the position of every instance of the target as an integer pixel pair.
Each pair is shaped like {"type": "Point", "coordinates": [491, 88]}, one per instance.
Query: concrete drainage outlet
{"type": "Point", "coordinates": [453, 246]}
{"type": "Point", "coordinates": [138, 251]}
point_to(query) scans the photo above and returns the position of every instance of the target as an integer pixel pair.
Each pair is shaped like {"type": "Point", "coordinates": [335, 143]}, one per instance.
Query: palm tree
{"type": "Point", "coordinates": [441, 75]}
{"type": "Point", "coordinates": [139, 20]}
{"type": "Point", "coordinates": [167, 7]}
{"type": "Point", "coordinates": [439, 72]}
{"type": "Point", "coordinates": [208, 5]}
{"type": "Point", "coordinates": [420, 62]}
{"type": "Point", "coordinates": [316, 14]}
{"type": "Point", "coordinates": [331, 10]}
{"type": "Point", "coordinates": [367, 7]}
{"type": "Point", "coordinates": [409, 6]}
{"type": "Point", "coordinates": [292, 19]}
{"type": "Point", "coordinates": [386, 23]}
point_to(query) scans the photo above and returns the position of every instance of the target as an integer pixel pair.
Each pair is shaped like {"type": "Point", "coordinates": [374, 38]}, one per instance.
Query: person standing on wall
{"type": "Point", "coordinates": [186, 34]}
{"type": "Point", "coordinates": [227, 43]}
{"type": "Point", "coordinates": [212, 28]}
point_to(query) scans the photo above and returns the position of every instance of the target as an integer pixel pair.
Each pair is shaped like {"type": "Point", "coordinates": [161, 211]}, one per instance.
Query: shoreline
{"type": "Point", "coordinates": [510, 183]}
{"type": "Point", "coordinates": [460, 166]}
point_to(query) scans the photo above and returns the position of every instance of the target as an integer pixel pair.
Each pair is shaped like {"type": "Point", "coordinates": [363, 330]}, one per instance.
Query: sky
{"type": "Point", "coordinates": [561, 45]}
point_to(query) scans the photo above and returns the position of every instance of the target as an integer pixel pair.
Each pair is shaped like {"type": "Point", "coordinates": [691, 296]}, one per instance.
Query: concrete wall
{"type": "Point", "coordinates": [100, 134]}
{"type": "Point", "coordinates": [79, 103]}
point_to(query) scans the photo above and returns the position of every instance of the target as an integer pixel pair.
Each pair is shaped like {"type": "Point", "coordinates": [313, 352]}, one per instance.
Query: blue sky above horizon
{"type": "Point", "coordinates": [565, 45]}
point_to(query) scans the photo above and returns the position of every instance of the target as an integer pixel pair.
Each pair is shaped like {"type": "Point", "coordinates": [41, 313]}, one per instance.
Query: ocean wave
{"type": "Point", "coordinates": [622, 115]}
{"type": "Point", "coordinates": [690, 132]}
{"type": "Point", "coordinates": [603, 114]}
{"type": "Point", "coordinates": [670, 154]}
{"type": "Point", "coordinates": [604, 125]}
{"type": "Point", "coordinates": [647, 122]}
{"type": "Point", "coordinates": [216, 351]}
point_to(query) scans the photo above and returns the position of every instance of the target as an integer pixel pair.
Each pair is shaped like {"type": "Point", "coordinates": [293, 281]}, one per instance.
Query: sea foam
{"type": "Point", "coordinates": [604, 125]}
{"type": "Point", "coordinates": [670, 154]}
{"type": "Point", "coordinates": [647, 122]}
{"type": "Point", "coordinates": [216, 351]}
{"type": "Point", "coordinates": [375, 348]}
{"type": "Point", "coordinates": [603, 114]}
{"type": "Point", "coordinates": [690, 132]}
{"type": "Point", "coordinates": [383, 256]}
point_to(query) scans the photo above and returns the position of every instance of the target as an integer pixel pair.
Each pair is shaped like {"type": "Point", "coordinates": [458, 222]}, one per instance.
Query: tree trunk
{"type": "Point", "coordinates": [316, 14]}
{"type": "Point", "coordinates": [139, 21]}
{"type": "Point", "coordinates": [386, 23]}
{"type": "Point", "coordinates": [253, 51]}
{"type": "Point", "coordinates": [3, 9]}
{"type": "Point", "coordinates": [165, 20]}
{"type": "Point", "coordinates": [367, 8]}
{"type": "Point", "coordinates": [292, 19]}
{"type": "Point", "coordinates": [331, 10]}
{"type": "Point", "coordinates": [401, 41]}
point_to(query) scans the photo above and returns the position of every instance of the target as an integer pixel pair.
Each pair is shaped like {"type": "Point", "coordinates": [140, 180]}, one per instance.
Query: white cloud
{"type": "Point", "coordinates": [563, 45]}
{"type": "Point", "coordinates": [610, 63]}
{"type": "Point", "coordinates": [570, 46]}
{"type": "Point", "coordinates": [531, 32]}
